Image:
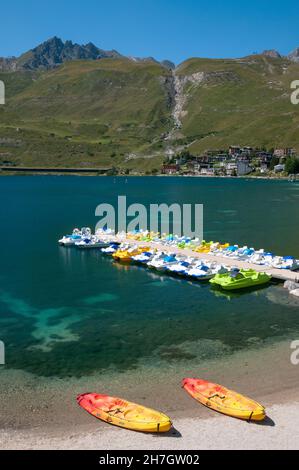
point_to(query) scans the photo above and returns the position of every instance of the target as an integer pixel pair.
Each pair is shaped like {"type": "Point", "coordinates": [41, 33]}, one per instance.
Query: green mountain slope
{"type": "Point", "coordinates": [102, 110]}
{"type": "Point", "coordinates": [125, 113]}
{"type": "Point", "coordinates": [244, 102]}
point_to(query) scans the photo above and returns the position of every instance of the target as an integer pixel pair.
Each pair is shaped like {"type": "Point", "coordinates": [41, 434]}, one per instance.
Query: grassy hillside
{"type": "Point", "coordinates": [244, 101]}
{"type": "Point", "coordinates": [86, 112]}
{"type": "Point", "coordinates": [117, 112]}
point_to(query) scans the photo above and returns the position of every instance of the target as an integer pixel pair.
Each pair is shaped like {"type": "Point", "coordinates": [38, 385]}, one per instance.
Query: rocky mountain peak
{"type": "Point", "coordinates": [54, 52]}
{"type": "Point", "coordinates": [294, 55]}
{"type": "Point", "coordinates": [272, 53]}
{"type": "Point", "coordinates": [168, 64]}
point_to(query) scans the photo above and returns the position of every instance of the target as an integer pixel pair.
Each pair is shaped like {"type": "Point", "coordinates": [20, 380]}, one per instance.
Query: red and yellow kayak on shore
{"type": "Point", "coordinates": [124, 414]}
{"type": "Point", "coordinates": [223, 400]}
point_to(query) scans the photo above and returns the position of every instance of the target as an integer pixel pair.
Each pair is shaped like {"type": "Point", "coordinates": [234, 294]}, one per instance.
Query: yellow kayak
{"type": "Point", "coordinates": [124, 414]}
{"type": "Point", "coordinates": [223, 400]}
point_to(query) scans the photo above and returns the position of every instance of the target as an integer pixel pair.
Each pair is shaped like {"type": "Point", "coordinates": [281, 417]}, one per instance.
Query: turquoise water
{"type": "Point", "coordinates": [69, 313]}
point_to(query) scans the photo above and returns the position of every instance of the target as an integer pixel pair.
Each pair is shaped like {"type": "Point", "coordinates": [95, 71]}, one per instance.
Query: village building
{"type": "Point", "coordinates": [170, 169]}
{"type": "Point", "coordinates": [284, 152]}
{"type": "Point", "coordinates": [234, 150]}
{"type": "Point", "coordinates": [236, 161]}
{"type": "Point", "coordinates": [243, 168]}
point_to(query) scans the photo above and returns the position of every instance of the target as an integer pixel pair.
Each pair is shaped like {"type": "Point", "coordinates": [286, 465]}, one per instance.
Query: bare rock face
{"type": "Point", "coordinates": [196, 79]}
{"type": "Point", "coordinates": [295, 292]}
{"type": "Point", "coordinates": [294, 56]}
{"type": "Point", "coordinates": [8, 65]}
{"type": "Point", "coordinates": [272, 53]}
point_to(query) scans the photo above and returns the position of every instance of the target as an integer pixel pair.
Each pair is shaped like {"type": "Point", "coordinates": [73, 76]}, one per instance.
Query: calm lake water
{"type": "Point", "coordinates": [69, 313]}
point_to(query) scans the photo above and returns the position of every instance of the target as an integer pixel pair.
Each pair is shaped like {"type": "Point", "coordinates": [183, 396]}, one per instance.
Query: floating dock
{"type": "Point", "coordinates": [281, 274]}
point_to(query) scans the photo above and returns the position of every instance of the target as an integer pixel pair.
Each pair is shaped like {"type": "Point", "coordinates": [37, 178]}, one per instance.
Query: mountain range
{"type": "Point", "coordinates": [78, 105]}
{"type": "Point", "coordinates": [55, 52]}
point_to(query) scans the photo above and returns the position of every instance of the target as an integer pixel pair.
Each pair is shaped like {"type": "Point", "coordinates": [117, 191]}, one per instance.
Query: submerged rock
{"type": "Point", "coordinates": [280, 296]}
{"type": "Point", "coordinates": [295, 292]}
{"type": "Point", "coordinates": [291, 285]}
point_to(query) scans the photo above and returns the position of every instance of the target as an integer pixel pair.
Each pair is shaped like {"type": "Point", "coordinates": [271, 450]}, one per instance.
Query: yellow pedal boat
{"type": "Point", "coordinates": [125, 256]}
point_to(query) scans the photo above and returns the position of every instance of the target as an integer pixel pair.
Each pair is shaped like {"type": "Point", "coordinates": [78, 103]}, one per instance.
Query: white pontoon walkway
{"type": "Point", "coordinates": [281, 274]}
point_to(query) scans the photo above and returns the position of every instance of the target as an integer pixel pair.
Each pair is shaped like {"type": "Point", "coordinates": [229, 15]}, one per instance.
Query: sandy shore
{"type": "Point", "coordinates": [40, 413]}
{"type": "Point", "coordinates": [279, 431]}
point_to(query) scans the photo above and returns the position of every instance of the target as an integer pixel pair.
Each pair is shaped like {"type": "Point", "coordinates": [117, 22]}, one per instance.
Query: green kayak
{"type": "Point", "coordinates": [240, 279]}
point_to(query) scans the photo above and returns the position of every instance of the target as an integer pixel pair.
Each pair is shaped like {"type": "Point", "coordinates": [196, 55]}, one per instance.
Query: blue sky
{"type": "Point", "coordinates": [165, 29]}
